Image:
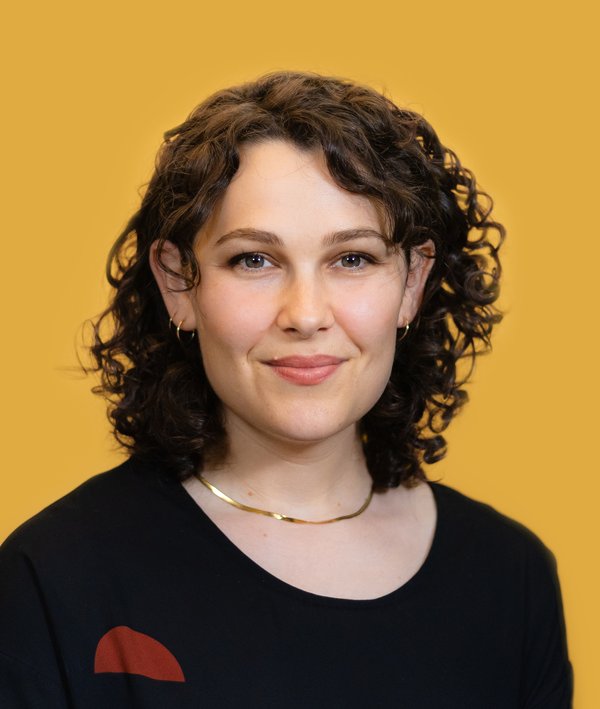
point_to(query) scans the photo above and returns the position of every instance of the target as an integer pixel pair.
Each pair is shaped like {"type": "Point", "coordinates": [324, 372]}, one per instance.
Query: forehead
{"type": "Point", "coordinates": [288, 190]}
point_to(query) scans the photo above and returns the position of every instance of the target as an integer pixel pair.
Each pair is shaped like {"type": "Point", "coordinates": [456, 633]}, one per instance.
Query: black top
{"type": "Point", "coordinates": [125, 594]}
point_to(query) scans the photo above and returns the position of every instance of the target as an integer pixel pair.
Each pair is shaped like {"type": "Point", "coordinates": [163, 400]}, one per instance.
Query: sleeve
{"type": "Point", "coordinates": [30, 674]}
{"type": "Point", "coordinates": [547, 681]}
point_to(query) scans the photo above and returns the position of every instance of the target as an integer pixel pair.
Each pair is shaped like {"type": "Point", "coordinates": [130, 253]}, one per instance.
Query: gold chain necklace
{"type": "Point", "coordinates": [277, 515]}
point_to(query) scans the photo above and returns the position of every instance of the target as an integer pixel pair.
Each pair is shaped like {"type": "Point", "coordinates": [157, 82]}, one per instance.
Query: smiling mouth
{"type": "Point", "coordinates": [305, 371]}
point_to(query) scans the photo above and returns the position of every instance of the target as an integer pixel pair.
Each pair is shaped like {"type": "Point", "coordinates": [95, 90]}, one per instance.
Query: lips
{"type": "Point", "coordinates": [305, 371]}
{"type": "Point", "coordinates": [301, 362]}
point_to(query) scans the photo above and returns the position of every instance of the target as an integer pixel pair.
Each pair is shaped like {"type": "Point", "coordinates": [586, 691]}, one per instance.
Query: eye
{"type": "Point", "coordinates": [355, 261]}
{"type": "Point", "coordinates": [250, 261]}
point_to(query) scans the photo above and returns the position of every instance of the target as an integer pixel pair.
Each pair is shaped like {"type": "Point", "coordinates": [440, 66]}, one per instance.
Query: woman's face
{"type": "Point", "coordinates": [299, 299]}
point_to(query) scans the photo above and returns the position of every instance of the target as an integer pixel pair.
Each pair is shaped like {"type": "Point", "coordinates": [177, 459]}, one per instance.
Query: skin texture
{"type": "Point", "coordinates": [300, 291]}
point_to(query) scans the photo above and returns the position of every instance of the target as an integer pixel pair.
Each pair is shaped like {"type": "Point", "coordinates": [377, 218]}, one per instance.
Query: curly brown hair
{"type": "Point", "coordinates": [161, 404]}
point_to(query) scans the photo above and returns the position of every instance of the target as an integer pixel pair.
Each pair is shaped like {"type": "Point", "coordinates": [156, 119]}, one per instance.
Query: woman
{"type": "Point", "coordinates": [307, 271]}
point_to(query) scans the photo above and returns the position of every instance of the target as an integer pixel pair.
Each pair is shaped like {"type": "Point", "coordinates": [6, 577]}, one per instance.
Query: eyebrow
{"type": "Point", "coordinates": [336, 237]}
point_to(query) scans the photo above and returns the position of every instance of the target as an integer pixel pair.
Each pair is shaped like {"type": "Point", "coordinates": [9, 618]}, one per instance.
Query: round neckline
{"type": "Point", "coordinates": [266, 578]}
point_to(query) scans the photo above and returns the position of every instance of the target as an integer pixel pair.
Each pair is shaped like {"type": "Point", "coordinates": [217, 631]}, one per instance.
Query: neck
{"type": "Point", "coordinates": [301, 479]}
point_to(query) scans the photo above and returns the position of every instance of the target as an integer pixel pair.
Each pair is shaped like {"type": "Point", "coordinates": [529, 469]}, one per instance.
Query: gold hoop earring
{"type": "Point", "coordinates": [178, 331]}
{"type": "Point", "coordinates": [193, 333]}
{"type": "Point", "coordinates": [405, 333]}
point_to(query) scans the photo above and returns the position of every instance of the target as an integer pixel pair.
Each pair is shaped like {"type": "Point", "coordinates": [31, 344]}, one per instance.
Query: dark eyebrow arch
{"type": "Point", "coordinates": [336, 237]}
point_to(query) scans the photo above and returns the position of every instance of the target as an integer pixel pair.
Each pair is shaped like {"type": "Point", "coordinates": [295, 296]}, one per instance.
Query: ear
{"type": "Point", "coordinates": [422, 259]}
{"type": "Point", "coordinates": [177, 301]}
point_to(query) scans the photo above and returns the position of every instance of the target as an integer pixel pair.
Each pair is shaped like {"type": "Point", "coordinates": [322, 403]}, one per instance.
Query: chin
{"type": "Point", "coordinates": [308, 430]}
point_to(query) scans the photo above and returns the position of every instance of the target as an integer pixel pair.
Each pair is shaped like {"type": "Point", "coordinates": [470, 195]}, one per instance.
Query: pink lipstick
{"type": "Point", "coordinates": [305, 371]}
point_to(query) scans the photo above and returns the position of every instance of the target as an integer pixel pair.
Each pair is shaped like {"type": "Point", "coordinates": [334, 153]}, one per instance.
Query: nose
{"type": "Point", "coordinates": [305, 306]}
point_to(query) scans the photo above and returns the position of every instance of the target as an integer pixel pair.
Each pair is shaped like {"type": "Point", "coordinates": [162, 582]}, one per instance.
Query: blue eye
{"type": "Point", "coordinates": [253, 260]}
{"type": "Point", "coordinates": [355, 260]}
{"type": "Point", "coordinates": [249, 261]}
{"type": "Point", "coordinates": [352, 260]}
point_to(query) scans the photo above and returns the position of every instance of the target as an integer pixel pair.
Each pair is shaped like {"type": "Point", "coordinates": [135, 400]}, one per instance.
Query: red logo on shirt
{"type": "Point", "coordinates": [122, 649]}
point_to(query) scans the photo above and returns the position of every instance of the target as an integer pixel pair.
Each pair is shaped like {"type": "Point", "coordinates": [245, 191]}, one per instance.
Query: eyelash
{"type": "Point", "coordinates": [237, 260]}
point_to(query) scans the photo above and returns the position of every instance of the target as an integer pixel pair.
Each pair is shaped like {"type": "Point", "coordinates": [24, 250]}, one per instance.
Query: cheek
{"type": "Point", "coordinates": [230, 320]}
{"type": "Point", "coordinates": [371, 318]}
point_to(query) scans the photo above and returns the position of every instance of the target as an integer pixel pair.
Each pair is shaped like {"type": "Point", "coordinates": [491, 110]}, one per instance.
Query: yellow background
{"type": "Point", "coordinates": [90, 88]}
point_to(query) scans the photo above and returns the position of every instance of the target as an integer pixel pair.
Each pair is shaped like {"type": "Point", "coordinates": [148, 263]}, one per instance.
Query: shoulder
{"type": "Point", "coordinates": [491, 559]}
{"type": "Point", "coordinates": [100, 506]}
{"type": "Point", "coordinates": [506, 574]}
{"type": "Point", "coordinates": [482, 528]}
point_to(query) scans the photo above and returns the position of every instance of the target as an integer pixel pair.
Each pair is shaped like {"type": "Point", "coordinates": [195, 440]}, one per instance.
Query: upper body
{"type": "Point", "coordinates": [292, 303]}
{"type": "Point", "coordinates": [125, 593]}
